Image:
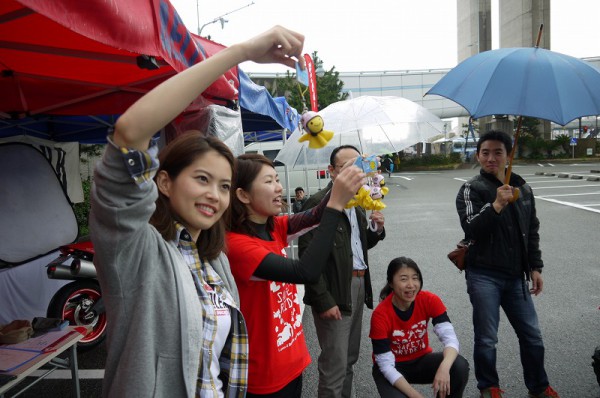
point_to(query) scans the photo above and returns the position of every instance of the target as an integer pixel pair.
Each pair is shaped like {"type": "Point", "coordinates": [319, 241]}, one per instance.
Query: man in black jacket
{"type": "Point", "coordinates": [502, 221]}
{"type": "Point", "coordinates": [338, 298]}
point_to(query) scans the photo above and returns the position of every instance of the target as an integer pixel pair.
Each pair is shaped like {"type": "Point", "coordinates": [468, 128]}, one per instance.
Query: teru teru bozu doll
{"type": "Point", "coordinates": [313, 126]}
{"type": "Point", "coordinates": [370, 196]}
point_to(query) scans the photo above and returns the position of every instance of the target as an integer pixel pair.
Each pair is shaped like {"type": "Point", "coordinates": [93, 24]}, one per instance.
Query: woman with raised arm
{"type": "Point", "coordinates": [175, 329]}
{"type": "Point", "coordinates": [266, 278]}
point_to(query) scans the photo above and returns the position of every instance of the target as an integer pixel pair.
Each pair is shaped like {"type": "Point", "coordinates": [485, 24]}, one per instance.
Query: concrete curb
{"type": "Point", "coordinates": [571, 176]}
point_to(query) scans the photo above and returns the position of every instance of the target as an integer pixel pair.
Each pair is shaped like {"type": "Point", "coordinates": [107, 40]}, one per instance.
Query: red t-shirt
{"type": "Point", "coordinates": [409, 339]}
{"type": "Point", "coordinates": [278, 352]}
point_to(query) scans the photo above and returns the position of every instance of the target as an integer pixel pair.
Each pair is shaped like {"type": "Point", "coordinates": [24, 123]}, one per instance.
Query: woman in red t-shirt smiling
{"type": "Point", "coordinates": [266, 278]}
{"type": "Point", "coordinates": [401, 350]}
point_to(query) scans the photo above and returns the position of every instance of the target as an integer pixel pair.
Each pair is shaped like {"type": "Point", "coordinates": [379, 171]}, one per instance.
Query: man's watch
{"type": "Point", "coordinates": [536, 269]}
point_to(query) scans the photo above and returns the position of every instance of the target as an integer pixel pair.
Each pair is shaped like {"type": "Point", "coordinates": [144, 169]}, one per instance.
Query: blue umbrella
{"type": "Point", "coordinates": [527, 81]}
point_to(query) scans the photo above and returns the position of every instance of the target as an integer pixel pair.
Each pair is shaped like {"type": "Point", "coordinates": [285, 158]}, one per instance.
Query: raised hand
{"type": "Point", "coordinates": [278, 44]}
{"type": "Point", "coordinates": [163, 103]}
{"type": "Point", "coordinates": [345, 186]}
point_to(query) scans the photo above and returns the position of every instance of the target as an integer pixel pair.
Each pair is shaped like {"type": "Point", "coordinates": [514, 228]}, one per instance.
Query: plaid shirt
{"type": "Point", "coordinates": [233, 361]}
{"type": "Point", "coordinates": [142, 165]}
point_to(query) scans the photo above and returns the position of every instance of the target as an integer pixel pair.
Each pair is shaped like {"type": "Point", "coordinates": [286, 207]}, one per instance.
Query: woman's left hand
{"type": "Point", "coordinates": [345, 186]}
{"type": "Point", "coordinates": [441, 383]}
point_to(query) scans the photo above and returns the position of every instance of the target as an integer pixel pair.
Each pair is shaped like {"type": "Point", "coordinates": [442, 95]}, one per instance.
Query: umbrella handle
{"type": "Point", "coordinates": [510, 161]}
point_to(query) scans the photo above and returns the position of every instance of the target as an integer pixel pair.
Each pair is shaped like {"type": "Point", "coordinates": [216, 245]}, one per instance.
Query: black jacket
{"type": "Point", "coordinates": [506, 243]}
{"type": "Point", "coordinates": [334, 285]}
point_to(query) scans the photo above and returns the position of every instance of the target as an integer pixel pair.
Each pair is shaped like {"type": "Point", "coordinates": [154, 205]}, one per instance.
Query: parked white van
{"type": "Point", "coordinates": [311, 180]}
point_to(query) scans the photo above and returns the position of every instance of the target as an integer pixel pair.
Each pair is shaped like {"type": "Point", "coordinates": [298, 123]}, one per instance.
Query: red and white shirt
{"type": "Point", "coordinates": [278, 352]}
{"type": "Point", "coordinates": [409, 339]}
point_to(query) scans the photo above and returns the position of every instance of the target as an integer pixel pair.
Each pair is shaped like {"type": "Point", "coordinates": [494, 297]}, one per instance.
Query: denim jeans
{"type": "Point", "coordinates": [487, 294]}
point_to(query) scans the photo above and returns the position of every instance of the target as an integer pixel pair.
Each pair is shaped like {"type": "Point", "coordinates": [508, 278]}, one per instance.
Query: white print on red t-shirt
{"type": "Point", "coordinates": [406, 342]}
{"type": "Point", "coordinates": [287, 313]}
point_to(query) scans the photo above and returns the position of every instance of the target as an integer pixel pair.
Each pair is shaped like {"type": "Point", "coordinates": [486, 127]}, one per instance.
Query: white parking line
{"type": "Point", "coordinates": [575, 205]}
{"type": "Point", "coordinates": [569, 194]}
{"type": "Point", "coordinates": [568, 186]}
{"type": "Point", "coordinates": [461, 179]}
{"type": "Point", "coordinates": [533, 180]}
{"type": "Point", "coordinates": [406, 178]}
{"type": "Point", "coordinates": [553, 180]}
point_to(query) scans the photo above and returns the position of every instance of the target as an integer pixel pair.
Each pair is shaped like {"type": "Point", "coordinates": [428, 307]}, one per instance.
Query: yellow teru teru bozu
{"type": "Point", "coordinates": [313, 125]}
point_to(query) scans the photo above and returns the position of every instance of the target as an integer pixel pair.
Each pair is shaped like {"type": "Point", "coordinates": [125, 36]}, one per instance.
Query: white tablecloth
{"type": "Point", "coordinates": [25, 290]}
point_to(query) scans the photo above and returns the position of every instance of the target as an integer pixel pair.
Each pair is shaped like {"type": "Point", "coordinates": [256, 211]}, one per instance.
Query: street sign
{"type": "Point", "coordinates": [573, 141]}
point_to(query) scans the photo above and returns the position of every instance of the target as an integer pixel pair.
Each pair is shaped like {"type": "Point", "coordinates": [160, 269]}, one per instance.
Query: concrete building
{"type": "Point", "coordinates": [474, 27]}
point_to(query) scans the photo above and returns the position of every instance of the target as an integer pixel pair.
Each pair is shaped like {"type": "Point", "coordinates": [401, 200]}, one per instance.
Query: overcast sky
{"type": "Point", "coordinates": [377, 35]}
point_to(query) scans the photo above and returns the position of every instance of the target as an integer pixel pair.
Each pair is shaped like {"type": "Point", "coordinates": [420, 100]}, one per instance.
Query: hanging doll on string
{"type": "Point", "coordinates": [370, 196]}
{"type": "Point", "coordinates": [314, 132]}
{"type": "Point", "coordinates": [312, 123]}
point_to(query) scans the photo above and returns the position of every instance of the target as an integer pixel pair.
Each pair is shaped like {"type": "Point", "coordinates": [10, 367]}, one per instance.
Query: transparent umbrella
{"type": "Point", "coordinates": [375, 125]}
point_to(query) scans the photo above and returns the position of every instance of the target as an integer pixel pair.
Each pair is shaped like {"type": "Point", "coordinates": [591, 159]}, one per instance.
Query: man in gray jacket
{"type": "Point", "coordinates": [338, 298]}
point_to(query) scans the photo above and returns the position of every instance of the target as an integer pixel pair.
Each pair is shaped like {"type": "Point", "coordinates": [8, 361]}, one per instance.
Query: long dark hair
{"type": "Point", "coordinates": [394, 266]}
{"type": "Point", "coordinates": [179, 154]}
{"type": "Point", "coordinates": [248, 166]}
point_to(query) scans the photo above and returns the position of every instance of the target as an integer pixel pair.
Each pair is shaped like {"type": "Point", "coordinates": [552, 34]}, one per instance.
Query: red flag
{"type": "Point", "coordinates": [312, 82]}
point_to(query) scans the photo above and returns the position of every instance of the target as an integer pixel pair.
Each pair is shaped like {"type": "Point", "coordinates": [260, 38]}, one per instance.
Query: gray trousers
{"type": "Point", "coordinates": [340, 345]}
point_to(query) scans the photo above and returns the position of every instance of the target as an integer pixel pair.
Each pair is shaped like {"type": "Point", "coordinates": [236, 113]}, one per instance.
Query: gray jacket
{"type": "Point", "coordinates": [154, 331]}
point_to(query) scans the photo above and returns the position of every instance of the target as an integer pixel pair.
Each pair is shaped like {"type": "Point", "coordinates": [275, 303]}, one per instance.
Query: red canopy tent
{"type": "Point", "coordinates": [73, 57]}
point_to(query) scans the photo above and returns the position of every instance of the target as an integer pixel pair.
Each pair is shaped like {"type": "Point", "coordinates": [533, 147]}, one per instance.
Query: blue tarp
{"type": "Point", "coordinates": [84, 129]}
{"type": "Point", "coordinates": [261, 112]}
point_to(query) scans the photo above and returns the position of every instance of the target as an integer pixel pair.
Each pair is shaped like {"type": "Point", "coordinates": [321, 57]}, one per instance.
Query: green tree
{"type": "Point", "coordinates": [465, 129]}
{"type": "Point", "coordinates": [529, 126]}
{"type": "Point", "coordinates": [564, 141]}
{"type": "Point", "coordinates": [329, 88]}
{"type": "Point", "coordinates": [550, 146]}
{"type": "Point", "coordinates": [82, 210]}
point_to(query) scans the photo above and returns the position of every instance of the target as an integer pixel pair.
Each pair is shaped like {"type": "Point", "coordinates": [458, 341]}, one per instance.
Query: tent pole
{"type": "Point", "coordinates": [287, 191]}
